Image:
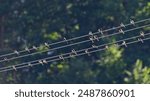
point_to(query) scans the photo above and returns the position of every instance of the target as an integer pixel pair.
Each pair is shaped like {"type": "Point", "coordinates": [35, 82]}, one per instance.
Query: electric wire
{"type": "Point", "coordinates": [88, 40]}
{"type": "Point", "coordinates": [4, 69]}
{"type": "Point", "coordinates": [4, 55]}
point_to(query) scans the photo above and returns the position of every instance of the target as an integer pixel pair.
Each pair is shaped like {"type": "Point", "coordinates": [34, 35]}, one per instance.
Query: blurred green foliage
{"type": "Point", "coordinates": [139, 74]}
{"type": "Point", "coordinates": [32, 22]}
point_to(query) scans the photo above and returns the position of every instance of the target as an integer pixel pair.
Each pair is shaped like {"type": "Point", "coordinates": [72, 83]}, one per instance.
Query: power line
{"type": "Point", "coordinates": [47, 61]}
{"type": "Point", "coordinates": [39, 52]}
{"type": "Point", "coordinates": [99, 31]}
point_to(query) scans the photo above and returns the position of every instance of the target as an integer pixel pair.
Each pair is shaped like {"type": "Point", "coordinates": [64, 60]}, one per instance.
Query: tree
{"type": "Point", "coordinates": [31, 22]}
{"type": "Point", "coordinates": [139, 74]}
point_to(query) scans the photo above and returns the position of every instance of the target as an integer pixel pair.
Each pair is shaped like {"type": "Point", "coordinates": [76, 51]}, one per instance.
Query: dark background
{"type": "Point", "coordinates": [33, 22]}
